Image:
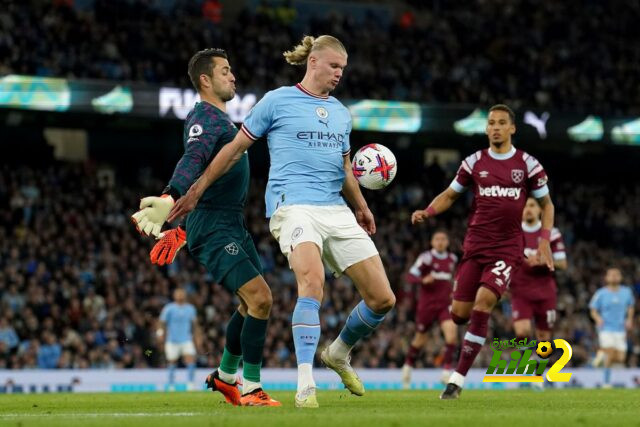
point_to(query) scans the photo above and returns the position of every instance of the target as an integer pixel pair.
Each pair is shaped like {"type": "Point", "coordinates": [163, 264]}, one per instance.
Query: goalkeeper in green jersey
{"type": "Point", "coordinates": [216, 232]}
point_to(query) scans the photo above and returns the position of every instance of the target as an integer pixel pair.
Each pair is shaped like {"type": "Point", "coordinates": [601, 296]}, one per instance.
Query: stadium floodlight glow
{"type": "Point", "coordinates": [35, 93]}
{"type": "Point", "coordinates": [627, 133]}
{"type": "Point", "coordinates": [386, 116]}
{"type": "Point", "coordinates": [118, 100]}
{"type": "Point", "coordinates": [590, 129]}
{"type": "Point", "coordinates": [474, 124]}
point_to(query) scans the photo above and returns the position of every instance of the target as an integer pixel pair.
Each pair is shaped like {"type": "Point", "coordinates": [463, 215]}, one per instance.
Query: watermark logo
{"type": "Point", "coordinates": [519, 367]}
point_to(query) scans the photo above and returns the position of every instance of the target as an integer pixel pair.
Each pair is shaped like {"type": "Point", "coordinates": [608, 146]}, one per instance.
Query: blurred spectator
{"type": "Point", "coordinates": [550, 55]}
{"type": "Point", "coordinates": [49, 351]}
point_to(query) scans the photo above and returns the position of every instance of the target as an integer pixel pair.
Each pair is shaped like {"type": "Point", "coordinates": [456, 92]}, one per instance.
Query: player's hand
{"type": "Point", "coordinates": [152, 214]}
{"type": "Point", "coordinates": [185, 204]}
{"type": "Point", "coordinates": [532, 260]}
{"type": "Point", "coordinates": [366, 221]}
{"type": "Point", "coordinates": [418, 217]}
{"type": "Point", "coordinates": [628, 324]}
{"type": "Point", "coordinates": [428, 279]}
{"type": "Point", "coordinates": [169, 243]}
{"type": "Point", "coordinates": [544, 254]}
{"type": "Point", "coordinates": [599, 322]}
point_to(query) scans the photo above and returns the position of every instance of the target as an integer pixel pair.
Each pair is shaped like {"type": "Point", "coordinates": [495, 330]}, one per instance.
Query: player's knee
{"type": "Point", "coordinates": [261, 301]}
{"type": "Point", "coordinates": [382, 304]}
{"type": "Point", "coordinates": [459, 320]}
{"type": "Point", "coordinates": [310, 284]}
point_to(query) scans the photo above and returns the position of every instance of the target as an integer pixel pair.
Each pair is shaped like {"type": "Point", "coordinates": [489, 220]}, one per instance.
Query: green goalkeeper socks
{"type": "Point", "coordinates": [253, 336]}
{"type": "Point", "coordinates": [233, 347]}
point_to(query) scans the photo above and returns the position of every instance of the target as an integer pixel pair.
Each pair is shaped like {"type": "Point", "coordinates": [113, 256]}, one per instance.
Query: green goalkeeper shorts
{"type": "Point", "coordinates": [219, 240]}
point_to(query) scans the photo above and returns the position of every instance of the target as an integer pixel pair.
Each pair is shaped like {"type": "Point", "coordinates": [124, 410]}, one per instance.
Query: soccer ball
{"type": "Point", "coordinates": [374, 166]}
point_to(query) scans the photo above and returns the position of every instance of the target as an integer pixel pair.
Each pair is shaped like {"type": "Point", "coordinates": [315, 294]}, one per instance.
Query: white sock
{"type": "Point", "coordinates": [227, 378]}
{"type": "Point", "coordinates": [249, 386]}
{"type": "Point", "coordinates": [457, 379]}
{"type": "Point", "coordinates": [339, 349]}
{"type": "Point", "coordinates": [305, 376]}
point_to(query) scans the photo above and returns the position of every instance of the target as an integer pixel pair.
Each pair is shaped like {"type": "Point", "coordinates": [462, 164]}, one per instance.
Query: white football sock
{"type": "Point", "coordinates": [339, 349]}
{"type": "Point", "coordinates": [305, 376]}
{"type": "Point", "coordinates": [227, 378]}
{"type": "Point", "coordinates": [249, 386]}
{"type": "Point", "coordinates": [457, 379]}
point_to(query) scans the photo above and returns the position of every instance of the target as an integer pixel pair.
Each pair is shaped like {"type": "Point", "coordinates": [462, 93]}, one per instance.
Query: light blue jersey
{"type": "Point", "coordinates": [308, 136]}
{"type": "Point", "coordinates": [179, 319]}
{"type": "Point", "coordinates": [612, 307]}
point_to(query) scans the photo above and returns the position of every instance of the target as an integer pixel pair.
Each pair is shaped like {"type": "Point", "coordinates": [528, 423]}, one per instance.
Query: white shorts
{"type": "Point", "coordinates": [333, 229]}
{"type": "Point", "coordinates": [173, 351]}
{"type": "Point", "coordinates": [616, 340]}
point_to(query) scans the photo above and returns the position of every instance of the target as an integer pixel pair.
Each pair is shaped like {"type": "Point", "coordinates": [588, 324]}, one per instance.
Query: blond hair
{"type": "Point", "coordinates": [299, 54]}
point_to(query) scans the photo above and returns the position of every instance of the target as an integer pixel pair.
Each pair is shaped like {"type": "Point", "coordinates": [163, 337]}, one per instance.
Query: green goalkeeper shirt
{"type": "Point", "coordinates": [206, 130]}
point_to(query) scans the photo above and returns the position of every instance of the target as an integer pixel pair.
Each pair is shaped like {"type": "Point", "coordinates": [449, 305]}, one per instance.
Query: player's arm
{"type": "Point", "coordinates": [197, 337]}
{"type": "Point", "coordinates": [155, 210]}
{"type": "Point", "coordinates": [629, 321]}
{"type": "Point", "coordinates": [351, 191]}
{"type": "Point", "coordinates": [630, 312]}
{"type": "Point", "coordinates": [544, 247]}
{"type": "Point", "coordinates": [560, 264]}
{"type": "Point", "coordinates": [223, 161]}
{"type": "Point", "coordinates": [439, 204]}
{"type": "Point", "coordinates": [593, 309]}
{"type": "Point", "coordinates": [596, 317]}
{"type": "Point", "coordinates": [160, 332]}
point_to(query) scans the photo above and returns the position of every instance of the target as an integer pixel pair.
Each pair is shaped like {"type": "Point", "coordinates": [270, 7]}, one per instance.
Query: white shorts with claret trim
{"type": "Point", "coordinates": [334, 229]}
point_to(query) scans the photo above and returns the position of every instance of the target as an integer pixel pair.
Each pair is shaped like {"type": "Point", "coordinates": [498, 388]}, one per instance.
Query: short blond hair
{"type": "Point", "coordinates": [299, 54]}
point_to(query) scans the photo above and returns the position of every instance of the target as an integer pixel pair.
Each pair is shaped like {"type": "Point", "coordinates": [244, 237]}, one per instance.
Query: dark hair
{"type": "Point", "coordinates": [505, 108]}
{"type": "Point", "coordinates": [201, 63]}
{"type": "Point", "coordinates": [440, 230]}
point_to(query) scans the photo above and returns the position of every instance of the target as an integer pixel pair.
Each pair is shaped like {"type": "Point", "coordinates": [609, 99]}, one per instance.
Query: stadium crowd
{"type": "Point", "coordinates": [77, 289]}
{"type": "Point", "coordinates": [431, 51]}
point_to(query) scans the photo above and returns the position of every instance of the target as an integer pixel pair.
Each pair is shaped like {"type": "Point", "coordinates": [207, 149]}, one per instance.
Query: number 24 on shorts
{"type": "Point", "coordinates": [502, 269]}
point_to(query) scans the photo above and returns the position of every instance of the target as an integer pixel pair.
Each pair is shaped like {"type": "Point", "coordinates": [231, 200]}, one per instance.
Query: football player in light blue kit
{"type": "Point", "coordinates": [308, 136]}
{"type": "Point", "coordinates": [612, 310]}
{"type": "Point", "coordinates": [178, 319]}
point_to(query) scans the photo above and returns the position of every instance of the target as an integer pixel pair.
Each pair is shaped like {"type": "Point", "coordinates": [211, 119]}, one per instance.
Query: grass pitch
{"type": "Point", "coordinates": [375, 409]}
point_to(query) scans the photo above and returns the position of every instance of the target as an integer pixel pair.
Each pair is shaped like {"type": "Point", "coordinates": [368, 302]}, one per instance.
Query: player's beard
{"type": "Point", "coordinates": [228, 96]}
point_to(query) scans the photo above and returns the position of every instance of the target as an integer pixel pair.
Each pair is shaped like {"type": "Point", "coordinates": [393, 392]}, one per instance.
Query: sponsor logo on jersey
{"type": "Point", "coordinates": [517, 175]}
{"type": "Point", "coordinates": [441, 275]}
{"type": "Point", "coordinates": [497, 191]}
{"type": "Point", "coordinates": [320, 136]}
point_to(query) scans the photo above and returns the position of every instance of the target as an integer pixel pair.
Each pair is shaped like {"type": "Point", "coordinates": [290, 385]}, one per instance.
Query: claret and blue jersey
{"type": "Point", "coordinates": [308, 135]}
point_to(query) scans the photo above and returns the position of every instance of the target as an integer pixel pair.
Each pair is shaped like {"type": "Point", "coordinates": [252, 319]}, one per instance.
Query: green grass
{"type": "Point", "coordinates": [375, 409]}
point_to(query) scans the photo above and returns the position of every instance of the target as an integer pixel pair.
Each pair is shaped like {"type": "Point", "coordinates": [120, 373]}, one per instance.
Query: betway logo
{"type": "Point", "coordinates": [497, 191]}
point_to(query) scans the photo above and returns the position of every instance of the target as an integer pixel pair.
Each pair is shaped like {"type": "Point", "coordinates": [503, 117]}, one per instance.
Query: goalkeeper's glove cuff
{"type": "Point", "coordinates": [172, 191]}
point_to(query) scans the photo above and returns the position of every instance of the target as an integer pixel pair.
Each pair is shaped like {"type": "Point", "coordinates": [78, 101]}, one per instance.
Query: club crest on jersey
{"type": "Point", "coordinates": [322, 112]}
{"type": "Point", "coordinates": [195, 130]}
{"type": "Point", "coordinates": [232, 248]}
{"type": "Point", "coordinates": [517, 175]}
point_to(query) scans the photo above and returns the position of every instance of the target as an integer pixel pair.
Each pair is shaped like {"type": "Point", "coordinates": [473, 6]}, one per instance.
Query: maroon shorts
{"type": "Point", "coordinates": [426, 315]}
{"type": "Point", "coordinates": [491, 271]}
{"type": "Point", "coordinates": [543, 311]}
